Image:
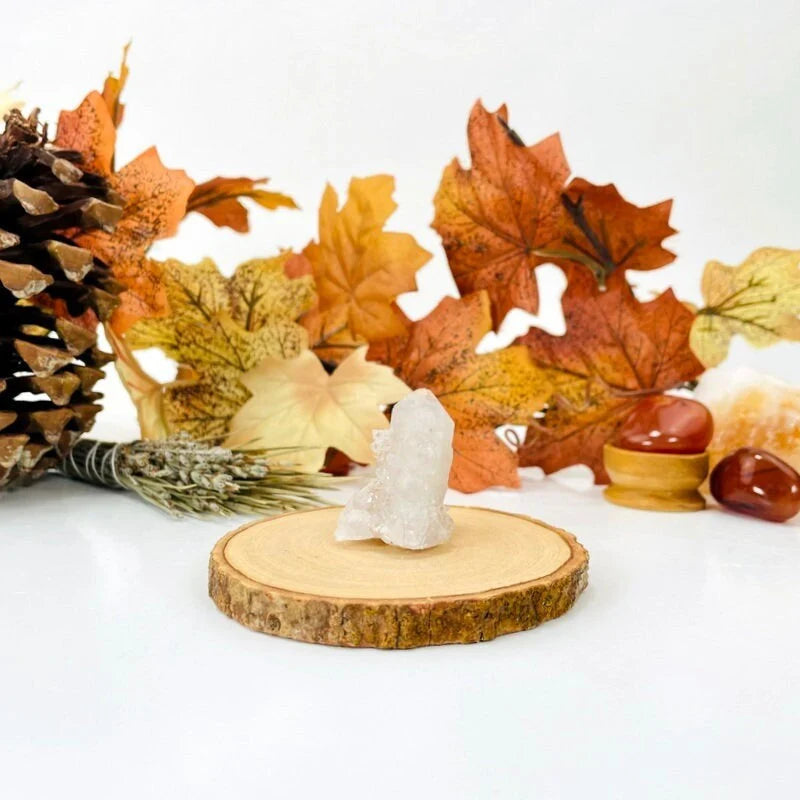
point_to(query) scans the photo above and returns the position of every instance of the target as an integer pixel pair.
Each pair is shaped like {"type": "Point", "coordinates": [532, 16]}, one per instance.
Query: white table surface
{"type": "Point", "coordinates": [675, 675]}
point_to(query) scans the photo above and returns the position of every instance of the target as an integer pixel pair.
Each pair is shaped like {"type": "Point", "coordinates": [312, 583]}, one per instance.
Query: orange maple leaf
{"type": "Point", "coordinates": [480, 459]}
{"type": "Point", "coordinates": [615, 350]}
{"type": "Point", "coordinates": [220, 200]}
{"type": "Point", "coordinates": [154, 204]}
{"type": "Point", "coordinates": [480, 392]}
{"type": "Point", "coordinates": [494, 217]}
{"type": "Point", "coordinates": [154, 199]}
{"type": "Point", "coordinates": [359, 269]}
{"type": "Point", "coordinates": [603, 231]}
{"type": "Point", "coordinates": [89, 130]}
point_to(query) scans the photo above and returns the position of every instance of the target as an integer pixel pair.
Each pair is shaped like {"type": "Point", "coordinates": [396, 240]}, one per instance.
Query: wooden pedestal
{"type": "Point", "coordinates": [655, 481]}
{"type": "Point", "coordinates": [500, 573]}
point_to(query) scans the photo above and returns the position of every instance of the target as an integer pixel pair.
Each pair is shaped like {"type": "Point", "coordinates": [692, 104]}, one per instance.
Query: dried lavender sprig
{"type": "Point", "coordinates": [186, 477]}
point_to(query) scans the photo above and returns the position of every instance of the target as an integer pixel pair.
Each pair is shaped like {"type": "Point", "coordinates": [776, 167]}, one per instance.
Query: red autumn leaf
{"type": "Point", "coordinates": [615, 350]}
{"type": "Point", "coordinates": [494, 217]}
{"type": "Point", "coordinates": [88, 319]}
{"type": "Point", "coordinates": [600, 229]}
{"type": "Point", "coordinates": [337, 463]}
{"type": "Point", "coordinates": [220, 200]}
{"type": "Point", "coordinates": [480, 392]}
{"type": "Point", "coordinates": [511, 211]}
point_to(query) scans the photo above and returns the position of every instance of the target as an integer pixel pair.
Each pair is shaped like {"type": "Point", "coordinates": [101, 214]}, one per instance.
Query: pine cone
{"type": "Point", "coordinates": [52, 295]}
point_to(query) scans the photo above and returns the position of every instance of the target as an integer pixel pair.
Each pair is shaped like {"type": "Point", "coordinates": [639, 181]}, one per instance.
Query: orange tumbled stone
{"type": "Point", "coordinates": [757, 483]}
{"type": "Point", "coordinates": [665, 424]}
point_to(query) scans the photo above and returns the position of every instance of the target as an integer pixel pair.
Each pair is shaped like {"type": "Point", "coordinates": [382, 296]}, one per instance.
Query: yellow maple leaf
{"type": "Point", "coordinates": [297, 404]}
{"type": "Point", "coordinates": [359, 269]}
{"type": "Point", "coordinates": [217, 329]}
{"type": "Point", "coordinates": [759, 299]}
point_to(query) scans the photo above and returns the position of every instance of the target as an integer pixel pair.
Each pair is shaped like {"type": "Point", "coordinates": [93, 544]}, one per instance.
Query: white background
{"type": "Point", "coordinates": [676, 675]}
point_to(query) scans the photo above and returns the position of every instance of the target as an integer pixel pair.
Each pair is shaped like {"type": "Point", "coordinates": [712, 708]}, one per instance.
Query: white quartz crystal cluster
{"type": "Point", "coordinates": [403, 503]}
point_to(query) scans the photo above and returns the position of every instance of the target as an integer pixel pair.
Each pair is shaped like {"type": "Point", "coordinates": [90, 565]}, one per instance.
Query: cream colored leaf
{"type": "Point", "coordinates": [759, 299]}
{"type": "Point", "coordinates": [297, 404]}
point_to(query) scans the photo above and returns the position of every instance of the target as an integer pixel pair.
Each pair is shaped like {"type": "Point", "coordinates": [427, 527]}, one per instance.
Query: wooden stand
{"type": "Point", "coordinates": [500, 573]}
{"type": "Point", "coordinates": [655, 481]}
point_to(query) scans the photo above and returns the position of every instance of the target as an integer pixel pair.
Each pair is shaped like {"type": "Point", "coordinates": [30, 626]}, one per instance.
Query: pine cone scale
{"type": "Point", "coordinates": [23, 280]}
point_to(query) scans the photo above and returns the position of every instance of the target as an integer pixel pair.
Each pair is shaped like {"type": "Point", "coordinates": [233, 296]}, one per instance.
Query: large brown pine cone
{"type": "Point", "coordinates": [52, 294]}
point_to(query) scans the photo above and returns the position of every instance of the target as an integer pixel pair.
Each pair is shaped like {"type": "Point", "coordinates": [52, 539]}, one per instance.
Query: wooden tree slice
{"type": "Point", "coordinates": [500, 573]}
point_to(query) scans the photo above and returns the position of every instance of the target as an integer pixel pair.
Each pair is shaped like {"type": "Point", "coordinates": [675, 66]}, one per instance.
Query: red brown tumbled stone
{"type": "Point", "coordinates": [665, 424]}
{"type": "Point", "coordinates": [757, 483]}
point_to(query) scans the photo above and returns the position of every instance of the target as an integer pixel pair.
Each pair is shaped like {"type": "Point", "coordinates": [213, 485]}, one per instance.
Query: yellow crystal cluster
{"type": "Point", "coordinates": [752, 410]}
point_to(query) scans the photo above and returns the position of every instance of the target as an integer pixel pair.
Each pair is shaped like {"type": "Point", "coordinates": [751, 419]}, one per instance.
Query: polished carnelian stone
{"type": "Point", "coordinates": [665, 424]}
{"type": "Point", "coordinates": [757, 483]}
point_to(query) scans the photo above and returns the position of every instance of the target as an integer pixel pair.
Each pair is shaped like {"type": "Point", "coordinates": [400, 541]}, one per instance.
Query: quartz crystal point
{"type": "Point", "coordinates": [403, 503]}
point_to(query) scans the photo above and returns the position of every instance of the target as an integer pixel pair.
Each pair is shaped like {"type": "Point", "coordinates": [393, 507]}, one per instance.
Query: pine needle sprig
{"type": "Point", "coordinates": [185, 477]}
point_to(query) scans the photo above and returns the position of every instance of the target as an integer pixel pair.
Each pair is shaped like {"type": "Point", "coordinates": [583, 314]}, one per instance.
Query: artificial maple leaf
{"type": "Point", "coordinates": [480, 459]}
{"type": "Point", "coordinates": [297, 405]}
{"type": "Point", "coordinates": [220, 200]}
{"type": "Point", "coordinates": [146, 392]}
{"type": "Point", "coordinates": [601, 230]}
{"type": "Point", "coordinates": [154, 204]}
{"type": "Point", "coordinates": [494, 217]}
{"type": "Point", "coordinates": [759, 299]}
{"type": "Point", "coordinates": [217, 329]}
{"type": "Point", "coordinates": [112, 89]}
{"type": "Point", "coordinates": [480, 392]}
{"type": "Point", "coordinates": [336, 463]}
{"type": "Point", "coordinates": [359, 269]}
{"type": "Point", "coordinates": [89, 130]}
{"type": "Point", "coordinates": [615, 350]}
{"type": "Point", "coordinates": [154, 199]}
